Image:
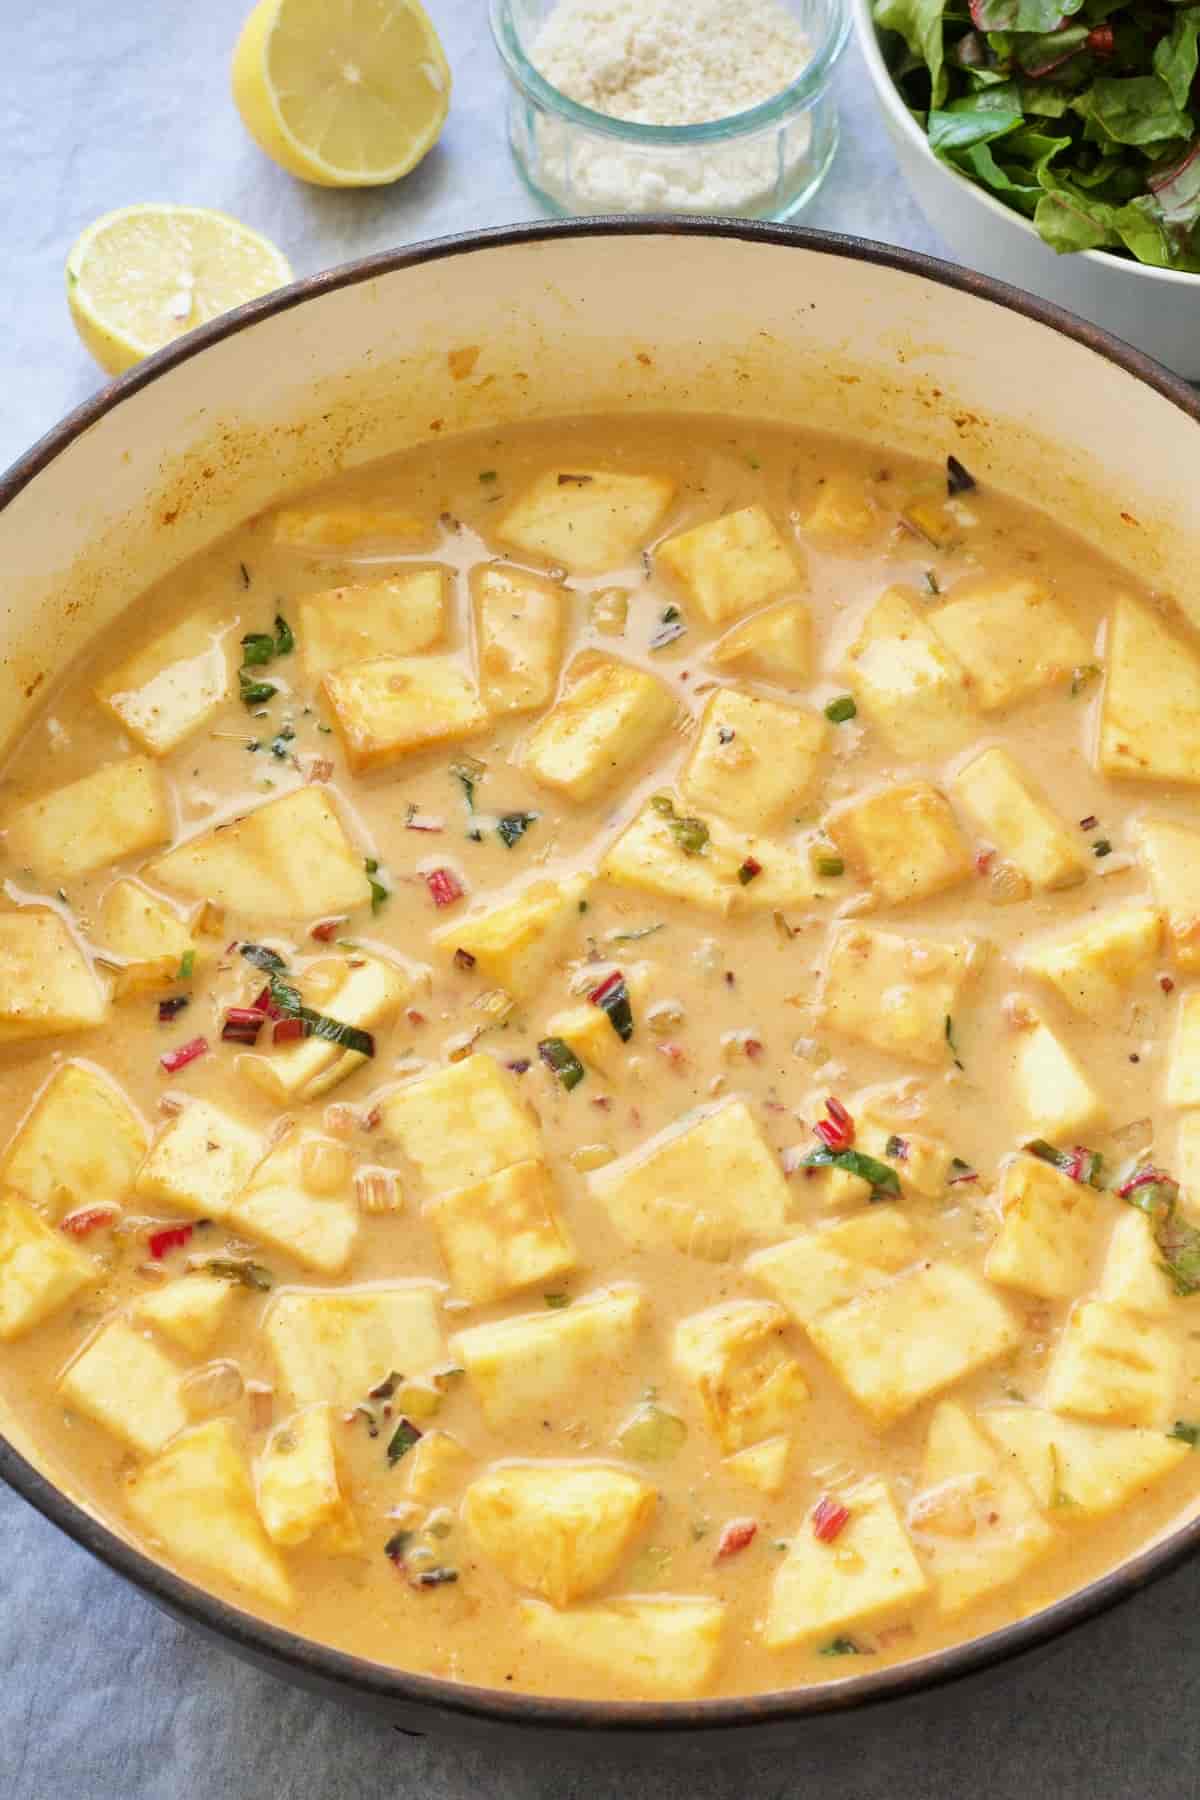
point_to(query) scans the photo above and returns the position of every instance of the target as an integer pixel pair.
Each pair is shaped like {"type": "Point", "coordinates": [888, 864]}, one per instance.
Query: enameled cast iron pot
{"type": "Point", "coordinates": [585, 316]}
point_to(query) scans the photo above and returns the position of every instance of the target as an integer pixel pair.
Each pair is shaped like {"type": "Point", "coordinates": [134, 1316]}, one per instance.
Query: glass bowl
{"type": "Point", "coordinates": [764, 163]}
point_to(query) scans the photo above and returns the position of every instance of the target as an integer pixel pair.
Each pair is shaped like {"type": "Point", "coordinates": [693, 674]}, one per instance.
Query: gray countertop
{"type": "Point", "coordinates": [101, 1697]}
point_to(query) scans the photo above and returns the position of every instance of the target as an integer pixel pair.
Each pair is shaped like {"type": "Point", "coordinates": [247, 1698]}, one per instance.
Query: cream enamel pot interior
{"type": "Point", "coordinates": [587, 316]}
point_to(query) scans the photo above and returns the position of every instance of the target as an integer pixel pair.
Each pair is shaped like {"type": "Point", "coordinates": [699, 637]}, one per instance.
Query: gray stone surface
{"type": "Point", "coordinates": [102, 1698]}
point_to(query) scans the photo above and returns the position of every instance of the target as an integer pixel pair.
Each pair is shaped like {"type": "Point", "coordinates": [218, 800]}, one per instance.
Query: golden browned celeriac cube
{"type": "Point", "coordinates": [348, 527]}
{"type": "Point", "coordinates": [79, 1145]}
{"type": "Point", "coordinates": [904, 995]}
{"type": "Point", "coordinates": [734, 563]}
{"type": "Point", "coordinates": [389, 706]}
{"type": "Point", "coordinates": [607, 718]}
{"type": "Point", "coordinates": [1011, 638]}
{"type": "Point", "coordinates": [1049, 1229]}
{"type": "Point", "coordinates": [289, 859]}
{"type": "Point", "coordinates": [462, 1123]}
{"type": "Point", "coordinates": [1150, 715]}
{"type": "Point", "coordinates": [148, 936]}
{"type": "Point", "coordinates": [843, 516]}
{"type": "Point", "coordinates": [560, 1528]}
{"type": "Point", "coordinates": [907, 684]}
{"type": "Point", "coordinates": [189, 1311]}
{"type": "Point", "coordinates": [903, 841]}
{"type": "Point", "coordinates": [749, 1386]}
{"type": "Point", "coordinates": [200, 1161]}
{"type": "Point", "coordinates": [1171, 852]}
{"type": "Point", "coordinates": [1133, 1275]}
{"type": "Point", "coordinates": [774, 645]}
{"type": "Point", "coordinates": [300, 1199]}
{"type": "Point", "coordinates": [589, 1032]}
{"type": "Point", "coordinates": [703, 1186]}
{"type": "Point", "coordinates": [337, 1345]}
{"type": "Point", "coordinates": [503, 1233]}
{"type": "Point", "coordinates": [1113, 1365]}
{"type": "Point", "coordinates": [1183, 1068]}
{"type": "Point", "coordinates": [868, 1573]}
{"type": "Point", "coordinates": [47, 984]}
{"type": "Point", "coordinates": [363, 992]}
{"type": "Point", "coordinates": [521, 1367]}
{"type": "Point", "coordinates": [670, 1644]}
{"type": "Point", "coordinates": [751, 759]}
{"type": "Point", "coordinates": [40, 1269]}
{"type": "Point", "coordinates": [300, 1491]}
{"type": "Point", "coordinates": [1079, 1469]}
{"type": "Point", "coordinates": [655, 855]}
{"type": "Point", "coordinates": [165, 692]}
{"type": "Point", "coordinates": [520, 625]}
{"type": "Point", "coordinates": [126, 1384]}
{"type": "Point", "coordinates": [1013, 812]}
{"type": "Point", "coordinates": [118, 811]}
{"type": "Point", "coordinates": [811, 1274]}
{"type": "Point", "coordinates": [435, 1467]}
{"type": "Point", "coordinates": [398, 616]}
{"type": "Point", "coordinates": [763, 1466]}
{"type": "Point", "coordinates": [1095, 969]}
{"type": "Point", "coordinates": [197, 1501]}
{"type": "Point", "coordinates": [1054, 1094]}
{"type": "Point", "coordinates": [588, 520]}
{"type": "Point", "coordinates": [896, 1345]}
{"type": "Point", "coordinates": [515, 944]}
{"type": "Point", "coordinates": [973, 1517]}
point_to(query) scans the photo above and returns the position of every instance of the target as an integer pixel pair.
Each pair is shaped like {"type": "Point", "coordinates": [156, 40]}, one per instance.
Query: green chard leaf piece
{"type": "Point", "coordinates": [285, 637]}
{"type": "Point", "coordinates": [919, 23]}
{"type": "Point", "coordinates": [379, 893]}
{"type": "Point", "coordinates": [689, 833]}
{"type": "Point", "coordinates": [1154, 1192]}
{"type": "Point", "coordinates": [187, 965]}
{"type": "Point", "coordinates": [512, 827]}
{"type": "Point", "coordinates": [883, 1179]}
{"type": "Point", "coordinates": [1187, 1431]}
{"type": "Point", "coordinates": [843, 1646]}
{"type": "Point", "coordinates": [255, 693]}
{"type": "Point", "coordinates": [318, 1024]}
{"type": "Point", "coordinates": [839, 711]}
{"type": "Point", "coordinates": [953, 1047]}
{"type": "Point", "coordinates": [245, 1273]}
{"type": "Point", "coordinates": [558, 1055]}
{"type": "Point", "coordinates": [258, 647]}
{"type": "Point", "coordinates": [402, 1440]}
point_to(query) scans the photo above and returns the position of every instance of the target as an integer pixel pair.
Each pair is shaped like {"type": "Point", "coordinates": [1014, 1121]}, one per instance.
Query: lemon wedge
{"type": "Point", "coordinates": [139, 278]}
{"type": "Point", "coordinates": [351, 95]}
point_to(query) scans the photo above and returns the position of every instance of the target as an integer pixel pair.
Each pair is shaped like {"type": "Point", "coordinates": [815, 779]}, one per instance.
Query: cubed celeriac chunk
{"type": "Point", "coordinates": [751, 759]}
{"type": "Point", "coordinates": [399, 616]}
{"type": "Point", "coordinates": [196, 1500]}
{"type": "Point", "coordinates": [1013, 812]}
{"type": "Point", "coordinates": [80, 1144]}
{"type": "Point", "coordinates": [601, 727]}
{"type": "Point", "coordinates": [126, 1384]}
{"type": "Point", "coordinates": [190, 1310]}
{"type": "Point", "coordinates": [300, 1199]}
{"type": "Point", "coordinates": [1048, 1230]}
{"type": "Point", "coordinates": [867, 1574]}
{"type": "Point", "coordinates": [119, 810]}
{"type": "Point", "coordinates": [899, 1344]}
{"type": "Point", "coordinates": [773, 645]}
{"type": "Point", "coordinates": [1183, 1068]}
{"type": "Point", "coordinates": [903, 840]}
{"type": "Point", "coordinates": [200, 1161]}
{"type": "Point", "coordinates": [388, 706]}
{"type": "Point", "coordinates": [908, 685]}
{"type": "Point", "coordinates": [300, 1490]}
{"type": "Point", "coordinates": [47, 984]}
{"type": "Point", "coordinates": [655, 855]}
{"type": "Point", "coordinates": [1133, 1275]}
{"type": "Point", "coordinates": [822, 1269]}
{"type": "Point", "coordinates": [1010, 637]}
{"type": "Point", "coordinates": [515, 945]}
{"type": "Point", "coordinates": [731, 564]}
{"type": "Point", "coordinates": [167, 690]}
{"type": "Point", "coordinates": [348, 526]}
{"type": "Point", "coordinates": [1094, 969]}
{"type": "Point", "coordinates": [901, 994]}
{"type": "Point", "coordinates": [435, 1467]}
{"type": "Point", "coordinates": [502, 1234]}
{"type": "Point", "coordinates": [589, 520]}
{"type": "Point", "coordinates": [703, 1186]}
{"type": "Point", "coordinates": [762, 1466]}
{"type": "Point", "coordinates": [749, 1386]}
{"type": "Point", "coordinates": [1150, 715]}
{"type": "Point", "coordinates": [289, 859]}
{"type": "Point", "coordinates": [1084, 1469]}
{"type": "Point", "coordinates": [520, 623]}
{"type": "Point", "coordinates": [363, 992]}
{"type": "Point", "coordinates": [973, 1517]}
{"type": "Point", "coordinates": [1113, 1365]}
{"type": "Point", "coordinates": [1171, 852]}
{"type": "Point", "coordinates": [842, 515]}
{"type": "Point", "coordinates": [338, 1345]}
{"type": "Point", "coordinates": [589, 1032]}
{"type": "Point", "coordinates": [1054, 1095]}
{"type": "Point", "coordinates": [462, 1123]}
{"type": "Point", "coordinates": [520, 1367]}
{"type": "Point", "coordinates": [560, 1528]}
{"type": "Point", "coordinates": [666, 1645]}
{"type": "Point", "coordinates": [40, 1269]}
{"type": "Point", "coordinates": [147, 936]}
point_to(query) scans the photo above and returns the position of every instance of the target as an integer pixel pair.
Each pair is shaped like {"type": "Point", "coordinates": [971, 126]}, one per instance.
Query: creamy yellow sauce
{"type": "Point", "coordinates": [724, 1007]}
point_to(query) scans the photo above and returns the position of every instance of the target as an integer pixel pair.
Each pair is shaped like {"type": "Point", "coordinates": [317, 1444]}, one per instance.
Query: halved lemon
{"type": "Point", "coordinates": [345, 95]}
{"type": "Point", "coordinates": [139, 278]}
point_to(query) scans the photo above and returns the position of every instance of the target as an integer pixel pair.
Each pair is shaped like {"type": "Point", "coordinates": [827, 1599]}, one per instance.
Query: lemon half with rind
{"type": "Point", "coordinates": [351, 94]}
{"type": "Point", "coordinates": [141, 277]}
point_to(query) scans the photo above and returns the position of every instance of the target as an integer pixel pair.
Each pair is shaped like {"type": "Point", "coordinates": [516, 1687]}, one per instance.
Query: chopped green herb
{"type": "Point", "coordinates": [689, 833]}
{"type": "Point", "coordinates": [840, 710]}
{"type": "Point", "coordinates": [244, 572]}
{"type": "Point", "coordinates": [950, 1041]}
{"type": "Point", "coordinates": [469, 772]}
{"type": "Point", "coordinates": [612, 997]}
{"type": "Point", "coordinates": [669, 614]}
{"type": "Point", "coordinates": [1187, 1431]}
{"type": "Point", "coordinates": [1102, 847]}
{"type": "Point", "coordinates": [255, 693]}
{"type": "Point", "coordinates": [487, 475]}
{"type": "Point", "coordinates": [187, 964]}
{"type": "Point", "coordinates": [513, 826]}
{"type": "Point", "coordinates": [285, 637]}
{"type": "Point", "coordinates": [247, 1274]}
{"type": "Point", "coordinates": [559, 1056]}
{"type": "Point", "coordinates": [268, 960]}
{"type": "Point", "coordinates": [397, 1544]}
{"type": "Point", "coordinates": [1083, 677]}
{"type": "Point", "coordinates": [842, 1646]}
{"type": "Point", "coordinates": [258, 647]}
{"type": "Point", "coordinates": [280, 742]}
{"type": "Point", "coordinates": [754, 462]}
{"type": "Point", "coordinates": [320, 1025]}
{"type": "Point", "coordinates": [932, 585]}
{"type": "Point", "coordinates": [959, 480]}
{"type": "Point", "coordinates": [830, 866]}
{"type": "Point", "coordinates": [556, 1301]}
{"type": "Point", "coordinates": [402, 1440]}
{"type": "Point", "coordinates": [583, 906]}
{"type": "Point", "coordinates": [1153, 1192]}
{"type": "Point", "coordinates": [883, 1180]}
{"type": "Point", "coordinates": [379, 893]}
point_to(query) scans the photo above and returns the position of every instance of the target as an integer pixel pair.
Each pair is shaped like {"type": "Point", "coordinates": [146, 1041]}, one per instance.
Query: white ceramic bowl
{"type": "Point", "coordinates": [1158, 310]}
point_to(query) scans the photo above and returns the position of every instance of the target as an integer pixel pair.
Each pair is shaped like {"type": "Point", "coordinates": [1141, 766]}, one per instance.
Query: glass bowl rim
{"type": "Point", "coordinates": [797, 97]}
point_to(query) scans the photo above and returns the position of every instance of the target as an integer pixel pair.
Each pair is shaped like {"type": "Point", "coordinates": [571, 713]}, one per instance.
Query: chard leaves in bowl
{"type": "Point", "coordinates": [1082, 115]}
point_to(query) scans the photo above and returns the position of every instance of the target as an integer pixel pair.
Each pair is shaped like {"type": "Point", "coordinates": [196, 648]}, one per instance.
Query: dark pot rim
{"type": "Point", "coordinates": [358, 1678]}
